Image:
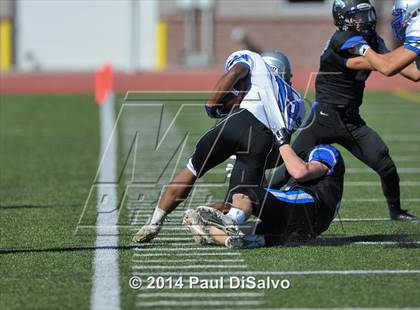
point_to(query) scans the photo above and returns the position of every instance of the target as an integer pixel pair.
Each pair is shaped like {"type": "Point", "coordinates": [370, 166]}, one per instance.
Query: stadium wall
{"type": "Point", "coordinates": [31, 83]}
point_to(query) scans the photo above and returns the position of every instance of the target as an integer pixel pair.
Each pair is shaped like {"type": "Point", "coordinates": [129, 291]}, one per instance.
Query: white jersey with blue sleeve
{"type": "Point", "coordinates": [325, 154]}
{"type": "Point", "coordinates": [270, 99]}
{"type": "Point", "coordinates": [412, 35]}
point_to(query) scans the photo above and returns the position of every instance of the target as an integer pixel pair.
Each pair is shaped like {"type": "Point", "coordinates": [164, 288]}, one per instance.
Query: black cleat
{"type": "Point", "coordinates": [402, 215]}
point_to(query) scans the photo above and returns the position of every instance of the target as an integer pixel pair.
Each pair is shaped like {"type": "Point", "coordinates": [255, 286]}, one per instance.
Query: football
{"type": "Point", "coordinates": [234, 98]}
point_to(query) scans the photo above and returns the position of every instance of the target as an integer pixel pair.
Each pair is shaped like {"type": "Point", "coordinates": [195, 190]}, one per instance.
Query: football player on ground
{"type": "Point", "coordinates": [304, 209]}
{"type": "Point", "coordinates": [249, 132]}
{"type": "Point", "coordinates": [335, 114]}
{"type": "Point", "coordinates": [406, 27]}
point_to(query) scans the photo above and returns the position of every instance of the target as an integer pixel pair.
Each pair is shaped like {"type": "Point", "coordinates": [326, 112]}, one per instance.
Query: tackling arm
{"type": "Point", "coordinates": [299, 169]}
{"type": "Point", "coordinates": [361, 63]}
{"type": "Point", "coordinates": [391, 63]}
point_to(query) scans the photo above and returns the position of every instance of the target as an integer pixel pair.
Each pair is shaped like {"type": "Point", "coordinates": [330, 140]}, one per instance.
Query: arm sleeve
{"type": "Point", "coordinates": [326, 155]}
{"type": "Point", "coordinates": [244, 57]}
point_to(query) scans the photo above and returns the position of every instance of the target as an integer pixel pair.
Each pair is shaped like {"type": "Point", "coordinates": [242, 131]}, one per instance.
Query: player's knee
{"type": "Point", "coordinates": [242, 202]}
{"type": "Point", "coordinates": [386, 167]}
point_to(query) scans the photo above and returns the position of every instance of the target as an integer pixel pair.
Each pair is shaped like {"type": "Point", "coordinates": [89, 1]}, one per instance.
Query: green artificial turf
{"type": "Point", "coordinates": [48, 161]}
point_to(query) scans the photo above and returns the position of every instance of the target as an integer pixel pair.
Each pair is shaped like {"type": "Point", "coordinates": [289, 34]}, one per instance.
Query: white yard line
{"type": "Point", "coordinates": [380, 199]}
{"type": "Point", "coordinates": [221, 249]}
{"type": "Point", "coordinates": [142, 266]}
{"type": "Point", "coordinates": [186, 295]}
{"type": "Point", "coordinates": [189, 260]}
{"type": "Point", "coordinates": [286, 273]}
{"type": "Point", "coordinates": [187, 254]}
{"type": "Point", "coordinates": [377, 183]}
{"type": "Point", "coordinates": [199, 303]}
{"type": "Point", "coordinates": [357, 219]}
{"type": "Point", "coordinates": [105, 287]}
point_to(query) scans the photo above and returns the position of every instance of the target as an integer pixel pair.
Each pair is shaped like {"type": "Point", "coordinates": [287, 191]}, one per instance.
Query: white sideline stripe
{"type": "Point", "coordinates": [189, 267]}
{"type": "Point", "coordinates": [189, 260]}
{"type": "Point", "coordinates": [199, 303]}
{"type": "Point", "coordinates": [183, 295]}
{"type": "Point", "coordinates": [105, 292]}
{"type": "Point", "coordinates": [188, 254]}
{"type": "Point", "coordinates": [285, 273]}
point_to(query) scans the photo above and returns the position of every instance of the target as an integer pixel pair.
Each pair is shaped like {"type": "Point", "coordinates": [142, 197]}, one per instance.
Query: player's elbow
{"type": "Point", "coordinates": [238, 71]}
{"type": "Point", "coordinates": [300, 174]}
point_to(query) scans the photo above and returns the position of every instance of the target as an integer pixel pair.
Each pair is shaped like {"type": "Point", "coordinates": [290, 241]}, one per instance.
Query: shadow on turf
{"type": "Point", "coordinates": [402, 241]}
{"type": "Point", "coordinates": [35, 206]}
{"type": "Point", "coordinates": [70, 249]}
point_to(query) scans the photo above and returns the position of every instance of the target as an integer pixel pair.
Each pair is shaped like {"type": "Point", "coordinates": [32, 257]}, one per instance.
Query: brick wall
{"type": "Point", "coordinates": [301, 38]}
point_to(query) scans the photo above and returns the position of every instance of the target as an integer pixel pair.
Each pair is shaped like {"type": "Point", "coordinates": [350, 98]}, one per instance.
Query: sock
{"type": "Point", "coordinates": [237, 216]}
{"type": "Point", "coordinates": [158, 216]}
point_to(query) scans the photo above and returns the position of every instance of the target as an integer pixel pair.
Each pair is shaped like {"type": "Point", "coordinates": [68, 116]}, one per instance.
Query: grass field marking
{"type": "Point", "coordinates": [361, 219]}
{"type": "Point", "coordinates": [186, 295]}
{"type": "Point", "coordinates": [105, 292]}
{"type": "Point", "coordinates": [186, 254]}
{"type": "Point", "coordinates": [407, 170]}
{"type": "Point", "coordinates": [379, 199]}
{"type": "Point", "coordinates": [199, 303]}
{"type": "Point", "coordinates": [221, 249]}
{"type": "Point", "coordinates": [174, 239]}
{"type": "Point", "coordinates": [384, 242]}
{"type": "Point", "coordinates": [377, 183]}
{"type": "Point", "coordinates": [189, 260]}
{"type": "Point", "coordinates": [285, 273]}
{"type": "Point", "coordinates": [317, 308]}
{"type": "Point", "coordinates": [189, 266]}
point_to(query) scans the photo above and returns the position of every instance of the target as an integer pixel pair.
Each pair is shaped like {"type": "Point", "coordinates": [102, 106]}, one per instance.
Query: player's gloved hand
{"type": "Point", "coordinates": [214, 111]}
{"type": "Point", "coordinates": [283, 136]}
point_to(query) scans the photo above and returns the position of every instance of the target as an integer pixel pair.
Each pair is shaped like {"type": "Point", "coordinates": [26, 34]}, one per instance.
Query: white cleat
{"type": "Point", "coordinates": [213, 217]}
{"type": "Point", "coordinates": [195, 225]}
{"type": "Point", "coordinates": [147, 233]}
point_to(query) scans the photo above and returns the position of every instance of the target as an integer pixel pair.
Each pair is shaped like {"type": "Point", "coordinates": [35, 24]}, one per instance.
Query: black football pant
{"type": "Point", "coordinates": [328, 125]}
{"type": "Point", "coordinates": [243, 135]}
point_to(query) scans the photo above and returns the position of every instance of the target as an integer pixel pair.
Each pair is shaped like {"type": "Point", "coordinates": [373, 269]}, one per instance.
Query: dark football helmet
{"type": "Point", "coordinates": [355, 15]}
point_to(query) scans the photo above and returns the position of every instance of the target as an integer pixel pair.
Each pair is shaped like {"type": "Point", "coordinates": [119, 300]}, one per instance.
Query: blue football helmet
{"type": "Point", "coordinates": [403, 12]}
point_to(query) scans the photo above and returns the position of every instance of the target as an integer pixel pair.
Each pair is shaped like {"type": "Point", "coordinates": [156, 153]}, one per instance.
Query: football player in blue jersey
{"type": "Point", "coordinates": [250, 131]}
{"type": "Point", "coordinates": [340, 85]}
{"type": "Point", "coordinates": [304, 208]}
{"type": "Point", "coordinates": [406, 27]}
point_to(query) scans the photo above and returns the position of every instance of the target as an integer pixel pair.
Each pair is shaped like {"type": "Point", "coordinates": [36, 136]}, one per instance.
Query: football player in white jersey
{"type": "Point", "coordinates": [250, 131]}
{"type": "Point", "coordinates": [406, 27]}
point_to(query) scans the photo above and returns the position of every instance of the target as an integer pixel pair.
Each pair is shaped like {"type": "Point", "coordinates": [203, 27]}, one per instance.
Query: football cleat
{"type": "Point", "coordinates": [147, 233]}
{"type": "Point", "coordinates": [234, 242]}
{"type": "Point", "coordinates": [192, 220]}
{"type": "Point", "coordinates": [402, 215]}
{"type": "Point", "coordinates": [212, 217]}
